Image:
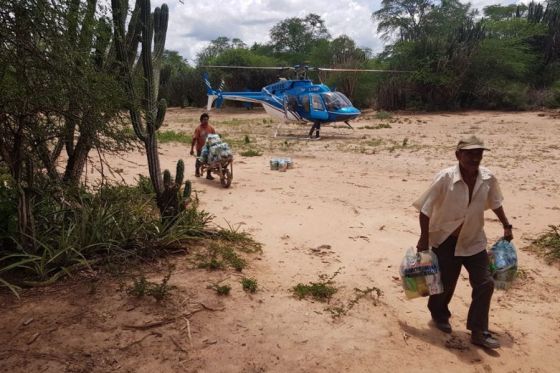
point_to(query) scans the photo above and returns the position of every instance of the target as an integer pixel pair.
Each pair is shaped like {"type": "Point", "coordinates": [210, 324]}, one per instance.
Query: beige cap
{"type": "Point", "coordinates": [472, 142]}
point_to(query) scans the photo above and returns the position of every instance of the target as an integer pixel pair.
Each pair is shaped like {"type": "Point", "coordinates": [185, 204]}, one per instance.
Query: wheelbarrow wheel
{"type": "Point", "coordinates": [226, 177]}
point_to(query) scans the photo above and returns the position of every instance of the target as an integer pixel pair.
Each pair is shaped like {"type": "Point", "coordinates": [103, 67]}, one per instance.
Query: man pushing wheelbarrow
{"type": "Point", "coordinates": [216, 158]}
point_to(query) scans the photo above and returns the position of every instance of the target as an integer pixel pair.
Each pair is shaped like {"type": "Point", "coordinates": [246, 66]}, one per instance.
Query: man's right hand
{"type": "Point", "coordinates": [192, 152]}
{"type": "Point", "coordinates": [422, 245]}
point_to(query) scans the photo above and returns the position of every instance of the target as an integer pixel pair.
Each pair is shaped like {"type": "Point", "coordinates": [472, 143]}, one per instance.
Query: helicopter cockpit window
{"type": "Point", "coordinates": [336, 100]}
{"type": "Point", "coordinates": [305, 103]}
{"type": "Point", "coordinates": [317, 102]}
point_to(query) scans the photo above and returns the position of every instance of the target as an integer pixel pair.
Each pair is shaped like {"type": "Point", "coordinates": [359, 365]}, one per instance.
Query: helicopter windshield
{"type": "Point", "coordinates": [336, 100]}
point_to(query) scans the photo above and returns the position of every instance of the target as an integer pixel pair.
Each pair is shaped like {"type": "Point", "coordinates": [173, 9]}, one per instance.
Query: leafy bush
{"type": "Point", "coordinates": [76, 228]}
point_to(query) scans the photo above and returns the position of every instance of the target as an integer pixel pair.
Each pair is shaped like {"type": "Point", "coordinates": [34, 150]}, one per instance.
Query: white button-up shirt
{"type": "Point", "coordinates": [447, 205]}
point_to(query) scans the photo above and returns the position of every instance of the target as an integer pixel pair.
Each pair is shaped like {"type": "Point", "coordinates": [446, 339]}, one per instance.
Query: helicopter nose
{"type": "Point", "coordinates": [349, 111]}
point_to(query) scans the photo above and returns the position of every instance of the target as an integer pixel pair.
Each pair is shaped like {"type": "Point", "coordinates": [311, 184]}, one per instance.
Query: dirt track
{"type": "Point", "coordinates": [344, 207]}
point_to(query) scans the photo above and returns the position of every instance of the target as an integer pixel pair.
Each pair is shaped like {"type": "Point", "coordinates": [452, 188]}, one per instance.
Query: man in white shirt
{"type": "Point", "coordinates": [451, 222]}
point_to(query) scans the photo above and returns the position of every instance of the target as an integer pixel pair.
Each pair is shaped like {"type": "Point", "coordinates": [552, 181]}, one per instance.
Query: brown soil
{"type": "Point", "coordinates": [345, 206]}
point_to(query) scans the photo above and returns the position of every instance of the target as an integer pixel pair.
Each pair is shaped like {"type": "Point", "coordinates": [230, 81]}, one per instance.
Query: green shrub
{"type": "Point", "coordinates": [249, 284]}
{"type": "Point", "coordinates": [76, 228]}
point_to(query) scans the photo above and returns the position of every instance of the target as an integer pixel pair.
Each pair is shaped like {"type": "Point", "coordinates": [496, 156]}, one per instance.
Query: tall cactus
{"type": "Point", "coordinates": [147, 118]}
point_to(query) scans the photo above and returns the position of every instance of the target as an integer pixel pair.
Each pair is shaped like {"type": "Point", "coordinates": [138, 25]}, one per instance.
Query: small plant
{"type": "Point", "coordinates": [246, 140]}
{"type": "Point", "coordinates": [249, 284]}
{"type": "Point", "coordinates": [231, 257]}
{"type": "Point", "coordinates": [141, 287]}
{"type": "Point", "coordinates": [342, 310]}
{"type": "Point", "coordinates": [219, 255]}
{"type": "Point", "coordinates": [213, 264]}
{"type": "Point", "coordinates": [548, 244]}
{"type": "Point", "coordinates": [251, 153]}
{"type": "Point", "coordinates": [321, 291]}
{"type": "Point", "coordinates": [221, 290]}
{"type": "Point", "coordinates": [241, 240]}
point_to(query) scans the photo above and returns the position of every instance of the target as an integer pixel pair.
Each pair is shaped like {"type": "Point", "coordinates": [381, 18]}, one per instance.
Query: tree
{"type": "Point", "coordinates": [402, 17]}
{"type": "Point", "coordinates": [217, 47]}
{"type": "Point", "coordinates": [57, 93]}
{"type": "Point", "coordinates": [298, 35]}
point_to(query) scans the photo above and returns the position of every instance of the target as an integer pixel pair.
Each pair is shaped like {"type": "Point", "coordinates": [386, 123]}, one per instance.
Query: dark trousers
{"type": "Point", "coordinates": [479, 276]}
{"type": "Point", "coordinates": [315, 127]}
{"type": "Point", "coordinates": [198, 164]}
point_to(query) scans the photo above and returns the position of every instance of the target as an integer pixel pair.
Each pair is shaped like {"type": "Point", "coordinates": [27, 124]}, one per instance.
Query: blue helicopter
{"type": "Point", "coordinates": [294, 100]}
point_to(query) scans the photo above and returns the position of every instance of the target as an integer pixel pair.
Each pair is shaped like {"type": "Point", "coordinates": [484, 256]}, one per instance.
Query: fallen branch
{"type": "Point", "coordinates": [177, 344]}
{"type": "Point", "coordinates": [210, 308]}
{"type": "Point", "coordinates": [189, 331]}
{"type": "Point", "coordinates": [149, 325]}
{"type": "Point", "coordinates": [139, 340]}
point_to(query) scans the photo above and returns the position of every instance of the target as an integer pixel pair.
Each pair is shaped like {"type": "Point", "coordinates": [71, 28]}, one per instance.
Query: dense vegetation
{"type": "Point", "coordinates": [500, 57]}
{"type": "Point", "coordinates": [63, 99]}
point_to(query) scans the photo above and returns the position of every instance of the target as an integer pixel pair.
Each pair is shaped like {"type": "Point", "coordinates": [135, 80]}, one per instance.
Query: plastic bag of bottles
{"type": "Point", "coordinates": [503, 263]}
{"type": "Point", "coordinates": [420, 274]}
{"type": "Point", "coordinates": [215, 149]}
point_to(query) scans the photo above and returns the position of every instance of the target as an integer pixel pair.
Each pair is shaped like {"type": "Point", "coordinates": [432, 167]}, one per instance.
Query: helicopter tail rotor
{"type": "Point", "coordinates": [213, 94]}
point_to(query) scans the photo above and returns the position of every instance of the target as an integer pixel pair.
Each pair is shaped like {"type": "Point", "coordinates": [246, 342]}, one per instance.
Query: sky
{"type": "Point", "coordinates": [193, 24]}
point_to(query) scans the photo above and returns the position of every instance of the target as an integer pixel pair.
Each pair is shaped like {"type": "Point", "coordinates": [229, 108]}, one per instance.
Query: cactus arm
{"type": "Point", "coordinates": [188, 189]}
{"type": "Point", "coordinates": [119, 17]}
{"type": "Point", "coordinates": [133, 35]}
{"type": "Point", "coordinates": [146, 21]}
{"type": "Point", "coordinates": [166, 178]}
{"type": "Point", "coordinates": [161, 19]}
{"type": "Point", "coordinates": [180, 174]}
{"type": "Point", "coordinates": [162, 108]}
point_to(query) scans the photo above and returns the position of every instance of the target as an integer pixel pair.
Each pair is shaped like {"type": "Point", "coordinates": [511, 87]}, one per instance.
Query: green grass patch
{"type": "Point", "coordinates": [220, 255]}
{"type": "Point", "coordinates": [323, 290]}
{"type": "Point", "coordinates": [379, 126]}
{"type": "Point", "coordinates": [249, 284]}
{"type": "Point", "coordinates": [242, 241]}
{"type": "Point", "coordinates": [251, 153]}
{"type": "Point", "coordinates": [172, 136]}
{"type": "Point", "coordinates": [318, 290]}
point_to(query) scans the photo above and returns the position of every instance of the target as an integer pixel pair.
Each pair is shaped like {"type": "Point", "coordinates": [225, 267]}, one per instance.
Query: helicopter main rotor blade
{"type": "Point", "coordinates": [249, 67]}
{"type": "Point", "coordinates": [360, 70]}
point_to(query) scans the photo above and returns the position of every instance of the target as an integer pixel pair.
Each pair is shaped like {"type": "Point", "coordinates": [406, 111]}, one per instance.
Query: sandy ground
{"type": "Point", "coordinates": [345, 207]}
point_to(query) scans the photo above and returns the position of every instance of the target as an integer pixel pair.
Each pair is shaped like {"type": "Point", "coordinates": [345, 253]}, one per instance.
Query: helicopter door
{"type": "Point", "coordinates": [318, 110]}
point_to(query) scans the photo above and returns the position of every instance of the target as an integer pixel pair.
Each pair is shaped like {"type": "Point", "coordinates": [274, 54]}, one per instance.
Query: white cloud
{"type": "Point", "coordinates": [193, 24]}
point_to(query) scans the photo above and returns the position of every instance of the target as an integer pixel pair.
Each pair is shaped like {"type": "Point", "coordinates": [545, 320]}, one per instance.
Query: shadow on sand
{"type": "Point", "coordinates": [457, 342]}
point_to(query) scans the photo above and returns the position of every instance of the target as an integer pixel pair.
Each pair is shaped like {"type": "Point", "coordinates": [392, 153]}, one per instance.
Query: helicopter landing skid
{"type": "Point", "coordinates": [277, 129]}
